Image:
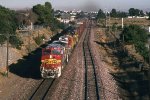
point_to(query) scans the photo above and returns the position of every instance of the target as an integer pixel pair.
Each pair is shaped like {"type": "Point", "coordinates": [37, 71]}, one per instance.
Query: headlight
{"type": "Point", "coordinates": [50, 56]}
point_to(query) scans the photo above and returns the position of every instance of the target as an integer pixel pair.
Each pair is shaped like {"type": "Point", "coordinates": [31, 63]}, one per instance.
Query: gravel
{"type": "Point", "coordinates": [15, 87]}
{"type": "Point", "coordinates": [107, 83]}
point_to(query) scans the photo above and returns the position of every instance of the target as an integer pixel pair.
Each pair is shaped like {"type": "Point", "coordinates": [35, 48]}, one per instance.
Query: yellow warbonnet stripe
{"type": "Point", "coordinates": [51, 61]}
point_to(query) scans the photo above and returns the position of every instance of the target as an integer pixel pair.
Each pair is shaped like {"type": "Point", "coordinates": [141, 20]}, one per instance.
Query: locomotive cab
{"type": "Point", "coordinates": [52, 57]}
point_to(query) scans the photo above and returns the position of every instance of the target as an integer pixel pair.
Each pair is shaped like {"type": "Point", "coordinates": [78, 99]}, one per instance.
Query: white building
{"type": "Point", "coordinates": [144, 17]}
{"type": "Point", "coordinates": [66, 18]}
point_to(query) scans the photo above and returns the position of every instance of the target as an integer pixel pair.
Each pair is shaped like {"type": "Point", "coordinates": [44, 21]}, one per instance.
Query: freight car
{"type": "Point", "coordinates": [56, 54]}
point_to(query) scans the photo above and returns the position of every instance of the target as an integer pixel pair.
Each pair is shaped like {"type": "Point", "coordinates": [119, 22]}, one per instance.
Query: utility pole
{"type": "Point", "coordinates": [115, 36]}
{"type": "Point", "coordinates": [122, 23]}
{"type": "Point", "coordinates": [7, 55]}
{"type": "Point", "coordinates": [106, 18]}
{"type": "Point", "coordinates": [122, 26]}
{"type": "Point", "coordinates": [29, 41]}
{"type": "Point", "coordinates": [149, 53]}
{"type": "Point", "coordinates": [109, 21]}
{"type": "Point", "coordinates": [7, 52]}
{"type": "Point", "coordinates": [149, 48]}
{"type": "Point", "coordinates": [148, 72]}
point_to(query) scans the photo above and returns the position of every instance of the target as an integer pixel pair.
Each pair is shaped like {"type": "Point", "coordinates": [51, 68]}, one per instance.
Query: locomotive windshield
{"type": "Point", "coordinates": [46, 52]}
{"type": "Point", "coordinates": [56, 52]}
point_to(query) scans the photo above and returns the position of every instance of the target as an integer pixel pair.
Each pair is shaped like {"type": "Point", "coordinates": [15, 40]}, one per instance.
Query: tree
{"type": "Point", "coordinates": [8, 25]}
{"type": "Point", "coordinates": [136, 35]}
{"type": "Point", "coordinates": [118, 14]}
{"type": "Point", "coordinates": [46, 16]}
{"type": "Point", "coordinates": [45, 13]}
{"type": "Point", "coordinates": [25, 17]}
{"type": "Point", "coordinates": [135, 12]}
{"type": "Point", "coordinates": [80, 15]}
{"type": "Point", "coordinates": [121, 14]}
{"type": "Point", "coordinates": [141, 13]}
{"type": "Point", "coordinates": [100, 15]}
{"type": "Point", "coordinates": [48, 5]}
{"type": "Point", "coordinates": [149, 16]}
{"type": "Point", "coordinates": [113, 13]}
{"type": "Point", "coordinates": [132, 12]}
{"type": "Point", "coordinates": [39, 10]}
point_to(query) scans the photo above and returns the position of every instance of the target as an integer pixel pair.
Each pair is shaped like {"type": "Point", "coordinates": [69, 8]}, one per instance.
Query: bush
{"type": "Point", "coordinates": [39, 40]}
{"type": "Point", "coordinates": [15, 42]}
{"type": "Point", "coordinates": [114, 27]}
{"type": "Point", "coordinates": [138, 36]}
{"type": "Point", "coordinates": [2, 39]}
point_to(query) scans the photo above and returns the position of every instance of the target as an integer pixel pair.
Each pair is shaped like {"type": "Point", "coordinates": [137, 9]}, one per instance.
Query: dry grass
{"type": "Point", "coordinates": [128, 21]}
{"type": "Point", "coordinates": [2, 71]}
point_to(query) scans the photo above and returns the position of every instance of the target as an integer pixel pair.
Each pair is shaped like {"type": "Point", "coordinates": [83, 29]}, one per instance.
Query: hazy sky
{"type": "Point", "coordinates": [92, 4]}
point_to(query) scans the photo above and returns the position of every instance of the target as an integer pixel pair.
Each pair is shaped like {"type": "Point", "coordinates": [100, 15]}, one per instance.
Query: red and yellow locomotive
{"type": "Point", "coordinates": [52, 57]}
{"type": "Point", "coordinates": [56, 54]}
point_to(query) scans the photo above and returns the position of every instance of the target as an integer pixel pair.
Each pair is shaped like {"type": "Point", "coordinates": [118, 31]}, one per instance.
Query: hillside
{"type": "Point", "coordinates": [29, 44]}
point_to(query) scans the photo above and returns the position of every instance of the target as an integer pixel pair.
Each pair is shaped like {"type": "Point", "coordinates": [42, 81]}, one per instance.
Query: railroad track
{"type": "Point", "coordinates": [91, 84]}
{"type": "Point", "coordinates": [41, 91]}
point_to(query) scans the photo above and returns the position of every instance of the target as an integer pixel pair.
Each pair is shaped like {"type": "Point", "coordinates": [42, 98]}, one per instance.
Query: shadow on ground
{"type": "Point", "coordinates": [28, 66]}
{"type": "Point", "coordinates": [133, 82]}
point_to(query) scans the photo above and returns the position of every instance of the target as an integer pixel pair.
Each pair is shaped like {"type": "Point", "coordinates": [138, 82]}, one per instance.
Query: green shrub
{"type": "Point", "coordinates": [39, 40]}
{"type": "Point", "coordinates": [15, 42]}
{"type": "Point", "coordinates": [138, 36]}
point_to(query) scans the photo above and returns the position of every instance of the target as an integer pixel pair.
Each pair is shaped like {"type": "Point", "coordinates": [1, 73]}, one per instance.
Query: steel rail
{"type": "Point", "coordinates": [91, 83]}
{"type": "Point", "coordinates": [42, 90]}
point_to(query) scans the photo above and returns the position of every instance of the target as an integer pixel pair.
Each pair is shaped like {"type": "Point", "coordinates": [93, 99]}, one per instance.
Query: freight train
{"type": "Point", "coordinates": [56, 54]}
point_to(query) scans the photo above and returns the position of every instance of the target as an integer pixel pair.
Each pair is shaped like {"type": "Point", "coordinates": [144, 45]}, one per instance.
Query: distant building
{"type": "Point", "coordinates": [144, 17]}
{"type": "Point", "coordinates": [131, 16]}
{"type": "Point", "coordinates": [80, 23]}
{"type": "Point", "coordinates": [72, 18]}
{"type": "Point", "coordinates": [66, 18]}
